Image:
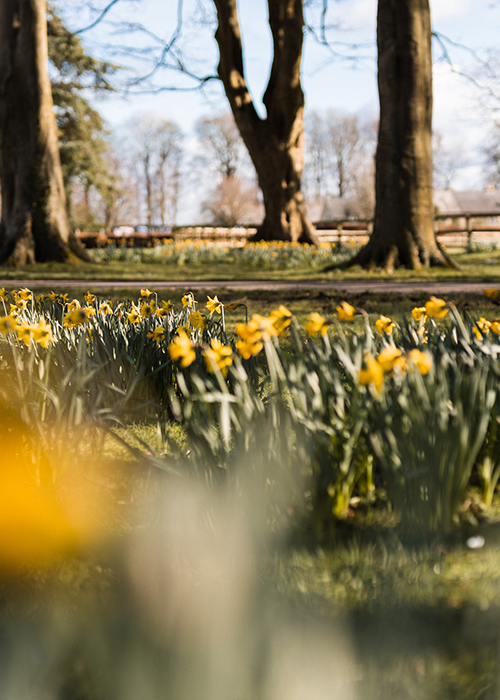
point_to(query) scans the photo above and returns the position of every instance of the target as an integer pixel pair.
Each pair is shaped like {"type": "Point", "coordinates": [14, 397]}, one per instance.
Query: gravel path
{"type": "Point", "coordinates": [452, 287]}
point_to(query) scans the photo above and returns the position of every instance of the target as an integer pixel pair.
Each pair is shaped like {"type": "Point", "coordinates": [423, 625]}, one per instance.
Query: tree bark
{"type": "Point", "coordinates": [275, 143]}
{"type": "Point", "coordinates": [34, 225]}
{"type": "Point", "coordinates": [403, 231]}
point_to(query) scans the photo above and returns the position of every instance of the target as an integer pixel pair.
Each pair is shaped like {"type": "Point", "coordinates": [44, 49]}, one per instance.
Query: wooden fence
{"type": "Point", "coordinates": [455, 230]}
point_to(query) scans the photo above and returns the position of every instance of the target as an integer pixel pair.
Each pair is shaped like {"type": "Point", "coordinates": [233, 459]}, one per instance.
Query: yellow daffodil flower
{"type": "Point", "coordinates": [106, 308]}
{"type": "Point", "coordinates": [167, 306]}
{"type": "Point", "coordinates": [188, 301]}
{"type": "Point", "coordinates": [158, 335]}
{"type": "Point", "coordinates": [146, 293]}
{"type": "Point", "coordinates": [218, 355]}
{"type": "Point", "coordinates": [53, 296]}
{"type": "Point", "coordinates": [23, 332]}
{"type": "Point", "coordinates": [385, 325]}
{"type": "Point", "coordinates": [182, 348]}
{"type": "Point", "coordinates": [483, 325]}
{"type": "Point", "coordinates": [251, 339]}
{"type": "Point", "coordinates": [316, 324]}
{"type": "Point", "coordinates": [147, 310]}
{"type": "Point", "coordinates": [419, 313]}
{"type": "Point", "coordinates": [3, 293]}
{"type": "Point", "coordinates": [436, 308]}
{"type": "Point", "coordinates": [491, 293]}
{"type": "Point", "coordinates": [25, 294]}
{"type": "Point", "coordinates": [390, 358]}
{"type": "Point", "coordinates": [214, 305]}
{"type": "Point", "coordinates": [197, 320]}
{"type": "Point", "coordinates": [495, 326]}
{"type": "Point", "coordinates": [373, 374]}
{"type": "Point", "coordinates": [281, 319]}
{"type": "Point", "coordinates": [134, 316]}
{"type": "Point", "coordinates": [42, 333]}
{"type": "Point", "coordinates": [422, 360]}
{"type": "Point", "coordinates": [40, 298]}
{"type": "Point", "coordinates": [345, 312]}
{"type": "Point", "coordinates": [89, 298]}
{"type": "Point", "coordinates": [75, 304]}
{"type": "Point", "coordinates": [8, 324]}
{"type": "Point", "coordinates": [77, 317]}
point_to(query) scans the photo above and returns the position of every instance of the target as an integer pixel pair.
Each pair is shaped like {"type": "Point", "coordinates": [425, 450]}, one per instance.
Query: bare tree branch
{"type": "Point", "coordinates": [101, 16]}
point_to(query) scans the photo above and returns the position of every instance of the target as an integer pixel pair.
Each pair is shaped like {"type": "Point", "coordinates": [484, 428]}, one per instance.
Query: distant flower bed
{"type": "Point", "coordinates": [272, 255]}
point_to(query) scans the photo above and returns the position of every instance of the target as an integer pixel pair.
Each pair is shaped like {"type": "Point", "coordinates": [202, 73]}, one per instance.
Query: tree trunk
{"type": "Point", "coordinates": [403, 231]}
{"type": "Point", "coordinates": [34, 224]}
{"type": "Point", "coordinates": [276, 143]}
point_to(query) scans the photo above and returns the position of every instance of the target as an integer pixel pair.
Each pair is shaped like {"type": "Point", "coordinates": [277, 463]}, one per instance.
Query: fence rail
{"type": "Point", "coordinates": [452, 229]}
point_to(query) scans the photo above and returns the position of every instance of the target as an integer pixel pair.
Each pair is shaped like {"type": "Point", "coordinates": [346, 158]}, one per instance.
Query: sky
{"type": "Point", "coordinates": [343, 79]}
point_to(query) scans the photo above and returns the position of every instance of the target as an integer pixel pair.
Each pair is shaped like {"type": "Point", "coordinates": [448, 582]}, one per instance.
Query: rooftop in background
{"type": "Point", "coordinates": [454, 203]}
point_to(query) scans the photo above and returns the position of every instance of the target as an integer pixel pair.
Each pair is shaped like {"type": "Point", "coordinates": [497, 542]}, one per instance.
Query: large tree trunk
{"type": "Point", "coordinates": [403, 232]}
{"type": "Point", "coordinates": [34, 224]}
{"type": "Point", "coordinates": [276, 143]}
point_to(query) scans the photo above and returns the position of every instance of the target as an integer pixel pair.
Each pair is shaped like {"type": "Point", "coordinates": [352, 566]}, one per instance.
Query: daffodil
{"type": "Point", "coordinates": [23, 331]}
{"type": "Point", "coordinates": [345, 312]}
{"type": "Point", "coordinates": [3, 293]}
{"type": "Point", "coordinates": [197, 320]}
{"type": "Point", "coordinates": [106, 308]}
{"type": "Point", "coordinates": [147, 310]}
{"type": "Point", "coordinates": [419, 313]}
{"type": "Point", "coordinates": [373, 374]}
{"type": "Point", "coordinates": [218, 355]}
{"type": "Point", "coordinates": [8, 324]}
{"type": "Point", "coordinates": [89, 298]}
{"type": "Point", "coordinates": [491, 293]}
{"type": "Point", "coordinates": [250, 343]}
{"type": "Point", "coordinates": [42, 333]}
{"type": "Point", "coordinates": [25, 294]}
{"type": "Point", "coordinates": [436, 308]}
{"type": "Point", "coordinates": [158, 335]}
{"type": "Point", "coordinates": [77, 317]}
{"type": "Point", "coordinates": [74, 304]}
{"type": "Point", "coordinates": [167, 306]}
{"type": "Point", "coordinates": [390, 358]}
{"type": "Point", "coordinates": [133, 316]}
{"type": "Point", "coordinates": [422, 360]}
{"type": "Point", "coordinates": [281, 318]}
{"type": "Point", "coordinates": [52, 296]}
{"type": "Point", "coordinates": [483, 325]}
{"type": "Point", "coordinates": [385, 325]}
{"type": "Point", "coordinates": [495, 326]}
{"type": "Point", "coordinates": [188, 300]}
{"type": "Point", "coordinates": [146, 293]}
{"type": "Point", "coordinates": [182, 348]}
{"type": "Point", "coordinates": [214, 305]}
{"type": "Point", "coordinates": [316, 324]}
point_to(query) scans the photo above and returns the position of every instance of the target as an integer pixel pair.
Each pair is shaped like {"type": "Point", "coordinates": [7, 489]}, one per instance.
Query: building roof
{"type": "Point", "coordinates": [478, 202]}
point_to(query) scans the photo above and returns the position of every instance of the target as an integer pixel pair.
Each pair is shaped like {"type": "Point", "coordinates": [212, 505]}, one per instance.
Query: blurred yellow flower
{"type": "Point", "coordinates": [422, 359]}
{"type": "Point", "coordinates": [316, 324]}
{"type": "Point", "coordinates": [218, 355]}
{"type": "Point", "coordinates": [214, 305]}
{"type": "Point", "coordinates": [3, 293]}
{"type": "Point", "coordinates": [106, 308]}
{"type": "Point", "coordinates": [77, 317]}
{"type": "Point", "coordinates": [23, 332]}
{"type": "Point", "coordinates": [436, 308]}
{"type": "Point", "coordinates": [385, 325]}
{"type": "Point", "coordinates": [483, 325]}
{"type": "Point", "coordinates": [197, 320]}
{"type": "Point", "coordinates": [182, 348]}
{"type": "Point", "coordinates": [8, 324]}
{"type": "Point", "coordinates": [188, 300]}
{"type": "Point", "coordinates": [251, 339]}
{"type": "Point", "coordinates": [42, 333]}
{"type": "Point", "coordinates": [25, 294]}
{"type": "Point", "coordinates": [167, 306]}
{"type": "Point", "coordinates": [158, 335]}
{"type": "Point", "coordinates": [146, 293]}
{"type": "Point", "coordinates": [133, 316]}
{"type": "Point", "coordinates": [345, 312]}
{"type": "Point", "coordinates": [89, 298]}
{"type": "Point", "coordinates": [373, 374]}
{"type": "Point", "coordinates": [390, 357]}
{"type": "Point", "coordinates": [491, 293]}
{"type": "Point", "coordinates": [52, 296]}
{"type": "Point", "coordinates": [419, 313]}
{"type": "Point", "coordinates": [281, 318]}
{"type": "Point", "coordinates": [74, 304]}
{"type": "Point", "coordinates": [147, 310]}
{"type": "Point", "coordinates": [495, 326]}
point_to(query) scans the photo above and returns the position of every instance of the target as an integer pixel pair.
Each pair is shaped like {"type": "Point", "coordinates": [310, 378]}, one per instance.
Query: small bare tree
{"type": "Point", "coordinates": [232, 202]}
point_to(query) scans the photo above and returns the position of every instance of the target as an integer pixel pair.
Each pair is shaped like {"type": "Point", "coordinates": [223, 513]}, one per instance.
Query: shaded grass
{"type": "Point", "coordinates": [480, 266]}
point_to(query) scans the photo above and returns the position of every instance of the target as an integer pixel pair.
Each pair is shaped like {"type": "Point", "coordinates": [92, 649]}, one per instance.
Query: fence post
{"type": "Point", "coordinates": [468, 218]}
